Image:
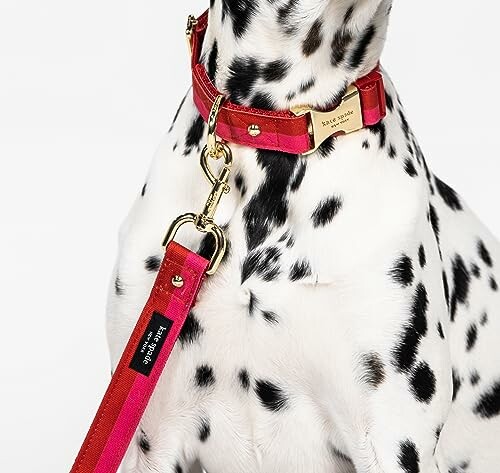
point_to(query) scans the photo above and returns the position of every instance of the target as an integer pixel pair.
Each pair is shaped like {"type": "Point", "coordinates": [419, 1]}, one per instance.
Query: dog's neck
{"type": "Point", "coordinates": [277, 54]}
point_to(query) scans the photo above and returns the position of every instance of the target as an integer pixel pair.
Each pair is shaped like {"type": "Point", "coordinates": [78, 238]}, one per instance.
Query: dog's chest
{"type": "Point", "coordinates": [254, 361]}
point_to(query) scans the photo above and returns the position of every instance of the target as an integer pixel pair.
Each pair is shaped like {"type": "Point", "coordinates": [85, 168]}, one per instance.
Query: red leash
{"type": "Point", "coordinates": [174, 292]}
{"type": "Point", "coordinates": [182, 271]}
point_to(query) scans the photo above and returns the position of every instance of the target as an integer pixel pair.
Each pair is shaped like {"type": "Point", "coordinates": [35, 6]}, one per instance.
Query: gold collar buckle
{"type": "Point", "coordinates": [346, 118]}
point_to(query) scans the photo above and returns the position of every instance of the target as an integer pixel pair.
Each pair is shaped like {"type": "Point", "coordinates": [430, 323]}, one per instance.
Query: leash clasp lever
{"type": "Point", "coordinates": [204, 221]}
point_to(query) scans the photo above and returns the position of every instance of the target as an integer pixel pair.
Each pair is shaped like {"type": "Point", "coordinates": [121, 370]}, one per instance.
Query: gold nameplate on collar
{"type": "Point", "coordinates": [346, 118]}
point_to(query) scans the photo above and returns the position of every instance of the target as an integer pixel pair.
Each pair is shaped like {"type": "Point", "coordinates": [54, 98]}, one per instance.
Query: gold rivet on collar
{"type": "Point", "coordinates": [254, 130]}
{"type": "Point", "coordinates": [177, 281]}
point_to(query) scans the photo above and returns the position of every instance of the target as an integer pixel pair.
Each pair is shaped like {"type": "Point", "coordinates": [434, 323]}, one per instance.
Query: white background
{"type": "Point", "coordinates": [86, 91]}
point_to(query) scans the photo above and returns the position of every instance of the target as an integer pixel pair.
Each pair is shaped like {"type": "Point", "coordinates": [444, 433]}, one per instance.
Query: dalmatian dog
{"type": "Point", "coordinates": [354, 323]}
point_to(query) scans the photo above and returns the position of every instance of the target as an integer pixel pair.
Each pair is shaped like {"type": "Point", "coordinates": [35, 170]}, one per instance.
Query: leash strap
{"type": "Point", "coordinates": [174, 293]}
{"type": "Point", "coordinates": [297, 131]}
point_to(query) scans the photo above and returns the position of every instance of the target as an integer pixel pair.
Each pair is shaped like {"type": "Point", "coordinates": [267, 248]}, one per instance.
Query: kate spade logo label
{"type": "Point", "coordinates": [339, 120]}
{"type": "Point", "coordinates": [151, 343]}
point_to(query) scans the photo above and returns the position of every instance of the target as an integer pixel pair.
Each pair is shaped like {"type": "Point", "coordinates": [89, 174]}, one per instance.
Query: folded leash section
{"type": "Point", "coordinates": [174, 293]}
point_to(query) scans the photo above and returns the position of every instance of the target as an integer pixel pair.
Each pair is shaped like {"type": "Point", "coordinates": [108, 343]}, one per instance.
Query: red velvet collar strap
{"type": "Point", "coordinates": [300, 131]}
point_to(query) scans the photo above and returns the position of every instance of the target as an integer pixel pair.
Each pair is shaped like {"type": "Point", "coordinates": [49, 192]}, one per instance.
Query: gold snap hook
{"type": "Point", "coordinates": [204, 221]}
{"type": "Point", "coordinates": [216, 149]}
{"type": "Point", "coordinates": [212, 143]}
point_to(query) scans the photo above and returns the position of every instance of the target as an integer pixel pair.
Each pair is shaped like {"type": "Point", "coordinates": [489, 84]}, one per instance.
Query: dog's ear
{"type": "Point", "coordinates": [361, 12]}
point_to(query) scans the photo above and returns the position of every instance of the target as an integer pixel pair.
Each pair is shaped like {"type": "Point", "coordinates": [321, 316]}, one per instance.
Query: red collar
{"type": "Point", "coordinates": [300, 131]}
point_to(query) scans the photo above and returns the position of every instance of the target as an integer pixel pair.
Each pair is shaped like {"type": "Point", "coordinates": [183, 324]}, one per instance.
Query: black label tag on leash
{"type": "Point", "coordinates": [151, 343]}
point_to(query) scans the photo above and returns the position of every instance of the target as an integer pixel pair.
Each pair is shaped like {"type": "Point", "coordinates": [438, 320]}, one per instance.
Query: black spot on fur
{"type": "Point", "coordinates": [404, 125]}
{"type": "Point", "coordinates": [338, 455]}
{"type": "Point", "coordinates": [191, 330]}
{"type": "Point", "coordinates": [461, 467]}
{"type": "Point", "coordinates": [493, 284]}
{"type": "Point", "coordinates": [340, 43]}
{"type": "Point", "coordinates": [262, 101]}
{"type": "Point", "coordinates": [348, 14]}
{"type": "Point", "coordinates": [392, 151]}
{"type": "Point", "coordinates": [263, 262]}
{"type": "Point", "coordinates": [285, 14]}
{"type": "Point", "coordinates": [313, 39]}
{"type": "Point", "coordinates": [471, 337]}
{"type": "Point", "coordinates": [488, 405]}
{"type": "Point", "coordinates": [434, 221]}
{"type": "Point", "coordinates": [365, 144]}
{"type": "Point", "coordinates": [270, 316]}
{"type": "Point", "coordinates": [380, 130]}
{"type": "Point", "coordinates": [373, 370]}
{"type": "Point", "coordinates": [326, 148]}
{"type": "Point", "coordinates": [405, 351]}
{"type": "Point", "coordinates": [419, 310]}
{"type": "Point", "coordinates": [410, 168]}
{"type": "Point", "coordinates": [475, 270]}
{"type": "Point", "coordinates": [326, 211]}
{"type": "Point", "coordinates": [195, 134]}
{"type": "Point", "coordinates": [359, 53]}
{"type": "Point", "coordinates": [212, 61]}
{"type": "Point", "coordinates": [204, 376]}
{"type": "Point", "coordinates": [268, 207]}
{"type": "Point", "coordinates": [484, 319]}
{"type": "Point", "coordinates": [402, 271]}
{"type": "Point", "coordinates": [240, 12]}
{"type": "Point", "coordinates": [423, 383]}
{"type": "Point", "coordinates": [252, 303]}
{"type": "Point", "coordinates": [437, 435]}
{"type": "Point", "coordinates": [143, 190]}
{"type": "Point", "coordinates": [449, 196]}
{"type": "Point", "coordinates": [389, 102]}
{"type": "Point", "coordinates": [484, 253]}
{"type": "Point", "coordinates": [446, 289]}
{"type": "Point", "coordinates": [144, 444]}
{"type": "Point", "coordinates": [271, 396]}
{"type": "Point", "coordinates": [239, 182]}
{"type": "Point", "coordinates": [300, 270]}
{"type": "Point", "coordinates": [118, 287]}
{"type": "Point", "coordinates": [457, 383]}
{"type": "Point", "coordinates": [408, 457]}
{"type": "Point", "coordinates": [474, 378]}
{"type": "Point", "coordinates": [152, 263]}
{"type": "Point", "coordinates": [204, 430]}
{"type": "Point", "coordinates": [421, 256]}
{"type": "Point", "coordinates": [461, 283]}
{"type": "Point", "coordinates": [299, 176]}
{"type": "Point", "coordinates": [243, 73]}
{"type": "Point", "coordinates": [207, 247]}
{"type": "Point", "coordinates": [244, 379]}
{"type": "Point", "coordinates": [275, 70]}
{"type": "Point", "coordinates": [308, 84]}
{"type": "Point", "coordinates": [440, 330]}
{"type": "Point", "coordinates": [178, 468]}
